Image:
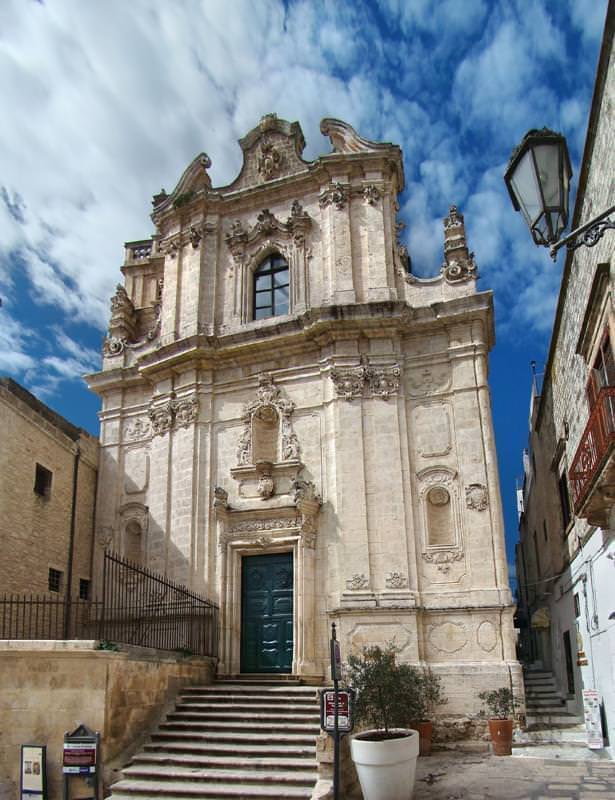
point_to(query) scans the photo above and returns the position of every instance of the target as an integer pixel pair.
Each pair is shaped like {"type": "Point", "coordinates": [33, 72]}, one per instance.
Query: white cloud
{"type": "Point", "coordinates": [104, 103]}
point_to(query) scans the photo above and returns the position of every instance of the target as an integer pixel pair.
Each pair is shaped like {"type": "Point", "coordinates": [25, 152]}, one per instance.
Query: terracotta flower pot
{"type": "Point", "coordinates": [501, 731]}
{"type": "Point", "coordinates": [425, 730]}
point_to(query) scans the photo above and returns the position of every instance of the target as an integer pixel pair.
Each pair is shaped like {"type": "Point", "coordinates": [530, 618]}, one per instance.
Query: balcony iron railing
{"type": "Point", "coordinates": [594, 447]}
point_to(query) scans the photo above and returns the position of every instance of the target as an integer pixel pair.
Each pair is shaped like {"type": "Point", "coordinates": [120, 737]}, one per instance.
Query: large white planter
{"type": "Point", "coordinates": [386, 768]}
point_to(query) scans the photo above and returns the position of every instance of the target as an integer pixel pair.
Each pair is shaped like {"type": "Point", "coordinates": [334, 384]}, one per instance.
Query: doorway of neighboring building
{"type": "Point", "coordinates": [267, 613]}
{"type": "Point", "coordinates": [569, 667]}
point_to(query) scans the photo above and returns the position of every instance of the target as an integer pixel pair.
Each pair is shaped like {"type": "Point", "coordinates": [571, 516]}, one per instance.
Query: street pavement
{"type": "Point", "coordinates": [546, 774]}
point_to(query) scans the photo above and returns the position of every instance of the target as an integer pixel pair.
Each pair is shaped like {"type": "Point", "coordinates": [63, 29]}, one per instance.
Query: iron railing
{"type": "Point", "coordinates": [138, 607]}
{"type": "Point", "coordinates": [594, 446]}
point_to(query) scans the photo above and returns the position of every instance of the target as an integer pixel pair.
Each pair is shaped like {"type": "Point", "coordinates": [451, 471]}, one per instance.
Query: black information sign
{"type": "Point", "coordinates": [80, 757]}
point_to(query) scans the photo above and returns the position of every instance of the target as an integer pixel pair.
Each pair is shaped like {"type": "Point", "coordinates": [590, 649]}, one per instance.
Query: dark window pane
{"type": "Point", "coordinates": [280, 278]}
{"type": "Point", "coordinates": [262, 282]}
{"type": "Point", "coordinates": [281, 300]}
{"type": "Point", "coordinates": [261, 313]}
{"type": "Point", "coordinates": [263, 299]}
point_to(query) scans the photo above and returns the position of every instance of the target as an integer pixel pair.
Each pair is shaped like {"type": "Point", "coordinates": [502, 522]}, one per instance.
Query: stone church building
{"type": "Point", "coordinates": [296, 426]}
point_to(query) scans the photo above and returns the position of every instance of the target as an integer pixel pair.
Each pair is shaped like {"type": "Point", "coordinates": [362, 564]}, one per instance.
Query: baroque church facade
{"type": "Point", "coordinates": [296, 426]}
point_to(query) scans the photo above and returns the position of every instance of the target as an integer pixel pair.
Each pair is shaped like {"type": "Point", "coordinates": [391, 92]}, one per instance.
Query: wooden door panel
{"type": "Point", "coordinates": [267, 613]}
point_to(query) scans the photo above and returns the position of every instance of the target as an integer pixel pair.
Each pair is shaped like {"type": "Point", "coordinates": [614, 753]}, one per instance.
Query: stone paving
{"type": "Point", "coordinates": [478, 776]}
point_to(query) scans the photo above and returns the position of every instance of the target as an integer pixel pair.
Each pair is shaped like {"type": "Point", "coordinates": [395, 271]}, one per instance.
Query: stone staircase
{"type": "Point", "coordinates": [233, 739]}
{"type": "Point", "coordinates": [548, 721]}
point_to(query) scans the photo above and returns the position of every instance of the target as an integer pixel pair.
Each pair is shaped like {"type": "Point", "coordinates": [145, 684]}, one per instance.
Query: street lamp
{"type": "Point", "coordinates": [538, 181]}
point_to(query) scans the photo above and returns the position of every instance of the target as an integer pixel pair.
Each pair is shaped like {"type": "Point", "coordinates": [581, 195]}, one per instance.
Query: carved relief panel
{"type": "Point", "coordinates": [432, 430]}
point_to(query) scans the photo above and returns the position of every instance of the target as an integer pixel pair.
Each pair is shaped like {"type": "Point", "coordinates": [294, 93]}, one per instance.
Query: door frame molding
{"type": "Point", "coordinates": [264, 537]}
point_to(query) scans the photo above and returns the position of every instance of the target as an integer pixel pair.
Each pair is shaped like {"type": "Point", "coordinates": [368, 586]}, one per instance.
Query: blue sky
{"type": "Point", "coordinates": [102, 104]}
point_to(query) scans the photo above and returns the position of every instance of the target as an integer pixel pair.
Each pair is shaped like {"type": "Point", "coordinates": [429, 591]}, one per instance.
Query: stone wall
{"type": "Point", "coordinates": [35, 529]}
{"type": "Point", "coordinates": [49, 688]}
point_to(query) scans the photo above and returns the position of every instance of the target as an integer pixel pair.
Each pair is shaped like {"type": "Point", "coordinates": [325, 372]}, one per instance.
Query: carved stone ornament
{"type": "Point", "coordinates": [383, 382]}
{"type": "Point", "coordinates": [371, 194]}
{"type": "Point", "coordinates": [104, 536]}
{"type": "Point", "coordinates": [334, 194]}
{"type": "Point", "coordinates": [186, 410]}
{"type": "Point", "coordinates": [477, 497]}
{"type": "Point", "coordinates": [429, 380]}
{"type": "Point", "coordinates": [349, 381]}
{"type": "Point", "coordinates": [239, 240]}
{"type": "Point", "coordinates": [353, 382]}
{"type": "Point", "coordinates": [459, 264]}
{"type": "Point", "coordinates": [113, 346]}
{"type": "Point", "coordinates": [180, 412]}
{"type": "Point", "coordinates": [269, 161]}
{"type": "Point", "coordinates": [273, 524]}
{"type": "Point", "coordinates": [357, 582]}
{"type": "Point", "coordinates": [161, 418]}
{"type": "Point", "coordinates": [269, 399]}
{"type": "Point", "coordinates": [266, 485]}
{"type": "Point", "coordinates": [139, 429]}
{"type": "Point", "coordinates": [221, 499]}
{"type": "Point", "coordinates": [435, 476]}
{"type": "Point", "coordinates": [395, 580]}
{"type": "Point", "coordinates": [443, 559]}
{"type": "Point", "coordinates": [195, 236]}
{"type": "Point", "coordinates": [458, 271]}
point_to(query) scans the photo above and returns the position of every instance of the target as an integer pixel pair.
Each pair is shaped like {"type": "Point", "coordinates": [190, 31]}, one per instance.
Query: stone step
{"type": "Point", "coordinates": [275, 717]}
{"type": "Point", "coordinates": [233, 760]}
{"type": "Point", "coordinates": [240, 740]}
{"type": "Point", "coordinates": [247, 688]}
{"type": "Point", "coordinates": [305, 777]}
{"type": "Point", "coordinates": [544, 706]}
{"type": "Point", "coordinates": [236, 737]}
{"type": "Point", "coordinates": [262, 727]}
{"type": "Point", "coordinates": [248, 750]}
{"type": "Point", "coordinates": [553, 736]}
{"type": "Point", "coordinates": [127, 790]}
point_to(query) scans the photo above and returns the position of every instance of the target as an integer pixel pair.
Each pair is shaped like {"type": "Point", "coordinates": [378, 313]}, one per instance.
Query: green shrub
{"type": "Point", "coordinates": [500, 703]}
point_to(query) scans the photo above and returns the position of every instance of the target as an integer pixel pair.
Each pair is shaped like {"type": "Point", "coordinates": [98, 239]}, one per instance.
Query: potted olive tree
{"type": "Point", "coordinates": [501, 706]}
{"type": "Point", "coordinates": [386, 699]}
{"type": "Point", "coordinates": [430, 696]}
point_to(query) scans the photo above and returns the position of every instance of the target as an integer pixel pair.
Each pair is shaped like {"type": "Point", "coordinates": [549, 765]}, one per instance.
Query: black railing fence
{"type": "Point", "coordinates": [138, 607]}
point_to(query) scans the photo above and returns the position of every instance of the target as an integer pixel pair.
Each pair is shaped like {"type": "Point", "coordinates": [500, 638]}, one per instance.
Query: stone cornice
{"type": "Point", "coordinates": [295, 334]}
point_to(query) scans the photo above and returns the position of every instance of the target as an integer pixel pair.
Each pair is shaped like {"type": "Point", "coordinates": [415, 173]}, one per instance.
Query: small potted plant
{"type": "Point", "coordinates": [430, 696]}
{"type": "Point", "coordinates": [501, 706]}
{"type": "Point", "coordinates": [386, 699]}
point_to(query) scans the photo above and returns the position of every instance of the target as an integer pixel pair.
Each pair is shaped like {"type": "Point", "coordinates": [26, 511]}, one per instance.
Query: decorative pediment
{"type": "Point", "coordinates": [271, 150]}
{"type": "Point", "coordinates": [268, 228]}
{"type": "Point", "coordinates": [194, 179]}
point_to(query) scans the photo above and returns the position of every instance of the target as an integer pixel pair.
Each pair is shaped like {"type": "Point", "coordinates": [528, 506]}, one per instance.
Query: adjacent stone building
{"type": "Point", "coordinates": [47, 492]}
{"type": "Point", "coordinates": [296, 425]}
{"type": "Point", "coordinates": [567, 546]}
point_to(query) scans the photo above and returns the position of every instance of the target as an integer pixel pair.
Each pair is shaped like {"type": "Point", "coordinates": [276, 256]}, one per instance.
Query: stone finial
{"type": "Point", "coordinates": [459, 263]}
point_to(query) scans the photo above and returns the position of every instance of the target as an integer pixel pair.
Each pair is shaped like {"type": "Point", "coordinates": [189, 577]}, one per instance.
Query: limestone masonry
{"type": "Point", "coordinates": [276, 381]}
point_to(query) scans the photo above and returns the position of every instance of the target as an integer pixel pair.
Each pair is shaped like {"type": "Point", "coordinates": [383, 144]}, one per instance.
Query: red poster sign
{"type": "Point", "coordinates": [344, 718]}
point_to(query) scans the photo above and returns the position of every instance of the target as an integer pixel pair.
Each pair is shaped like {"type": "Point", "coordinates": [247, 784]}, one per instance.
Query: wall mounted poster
{"type": "Point", "coordinates": [33, 772]}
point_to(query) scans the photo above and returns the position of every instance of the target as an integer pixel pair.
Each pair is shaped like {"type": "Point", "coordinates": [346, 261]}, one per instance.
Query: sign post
{"type": "Point", "coordinates": [80, 757]}
{"type": "Point", "coordinates": [593, 722]}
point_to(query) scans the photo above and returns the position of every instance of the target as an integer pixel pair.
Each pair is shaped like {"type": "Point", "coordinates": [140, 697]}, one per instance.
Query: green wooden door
{"type": "Point", "coordinates": [267, 613]}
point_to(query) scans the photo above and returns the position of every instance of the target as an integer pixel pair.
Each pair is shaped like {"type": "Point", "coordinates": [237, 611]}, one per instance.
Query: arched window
{"type": "Point", "coordinates": [271, 281]}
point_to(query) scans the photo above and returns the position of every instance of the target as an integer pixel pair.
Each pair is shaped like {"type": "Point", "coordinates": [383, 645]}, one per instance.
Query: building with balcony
{"type": "Point", "coordinates": [565, 557]}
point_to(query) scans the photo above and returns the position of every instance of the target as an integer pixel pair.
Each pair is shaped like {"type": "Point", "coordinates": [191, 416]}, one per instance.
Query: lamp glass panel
{"type": "Point", "coordinates": [548, 162]}
{"type": "Point", "coordinates": [525, 187]}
